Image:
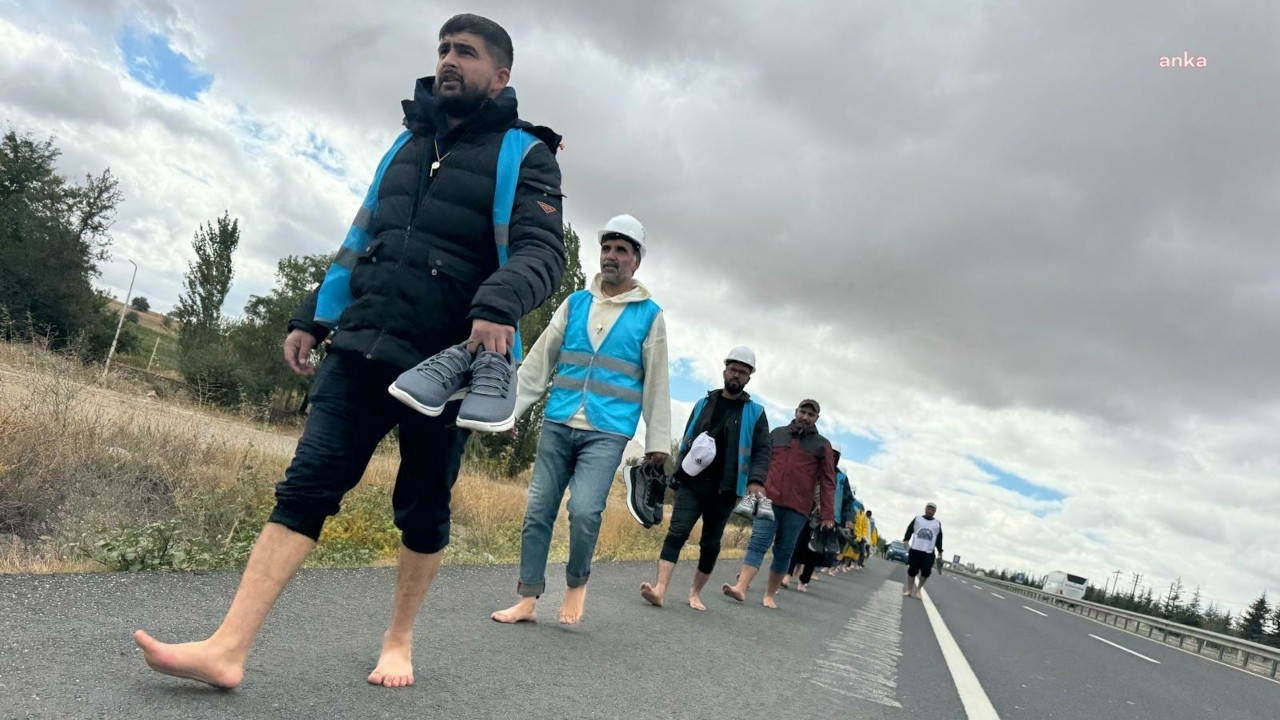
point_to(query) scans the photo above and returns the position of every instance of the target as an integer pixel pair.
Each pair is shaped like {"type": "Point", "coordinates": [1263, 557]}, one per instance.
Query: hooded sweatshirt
{"type": "Point", "coordinates": [539, 364]}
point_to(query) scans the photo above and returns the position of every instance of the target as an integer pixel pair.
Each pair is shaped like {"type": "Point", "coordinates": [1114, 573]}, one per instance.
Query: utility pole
{"type": "Point", "coordinates": [157, 347]}
{"type": "Point", "coordinates": [1117, 581]}
{"type": "Point", "coordinates": [1137, 577]}
{"type": "Point", "coordinates": [123, 308]}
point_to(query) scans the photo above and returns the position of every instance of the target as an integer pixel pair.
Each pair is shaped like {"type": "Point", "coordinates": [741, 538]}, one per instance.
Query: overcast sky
{"type": "Point", "coordinates": [1029, 273]}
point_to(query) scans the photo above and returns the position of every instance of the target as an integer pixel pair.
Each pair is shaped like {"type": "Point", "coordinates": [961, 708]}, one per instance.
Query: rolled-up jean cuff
{"type": "Point", "coordinates": [530, 589]}
{"type": "Point", "coordinates": [577, 582]}
{"type": "Point", "coordinates": [303, 524]}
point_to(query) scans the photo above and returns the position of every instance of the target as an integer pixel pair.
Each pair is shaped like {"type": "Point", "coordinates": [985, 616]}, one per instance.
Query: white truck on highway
{"type": "Point", "coordinates": [1065, 584]}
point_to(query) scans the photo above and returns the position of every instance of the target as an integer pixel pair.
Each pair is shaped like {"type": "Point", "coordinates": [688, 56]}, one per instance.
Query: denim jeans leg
{"type": "Point", "coordinates": [598, 456]}
{"type": "Point", "coordinates": [762, 533]}
{"type": "Point", "coordinates": [551, 472]}
{"type": "Point", "coordinates": [790, 524]}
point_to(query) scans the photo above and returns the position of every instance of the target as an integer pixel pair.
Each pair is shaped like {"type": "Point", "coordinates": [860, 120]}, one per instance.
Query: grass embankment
{"type": "Point", "coordinates": [93, 479]}
{"type": "Point", "coordinates": [153, 336]}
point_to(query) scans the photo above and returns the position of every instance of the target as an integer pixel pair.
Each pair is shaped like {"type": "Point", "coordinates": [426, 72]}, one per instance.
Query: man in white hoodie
{"type": "Point", "coordinates": [607, 348]}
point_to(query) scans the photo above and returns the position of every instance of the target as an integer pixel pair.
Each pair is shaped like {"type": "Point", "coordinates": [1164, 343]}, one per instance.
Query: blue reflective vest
{"type": "Point", "coordinates": [335, 291]}
{"type": "Point", "coordinates": [607, 382]}
{"type": "Point", "coordinates": [751, 412]}
{"type": "Point", "coordinates": [842, 483]}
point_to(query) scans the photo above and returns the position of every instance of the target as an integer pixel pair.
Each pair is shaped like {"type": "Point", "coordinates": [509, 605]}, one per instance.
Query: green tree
{"type": "Point", "coordinates": [204, 359]}
{"type": "Point", "coordinates": [257, 338]}
{"type": "Point", "coordinates": [500, 452]}
{"type": "Point", "coordinates": [1252, 625]}
{"type": "Point", "coordinates": [140, 303]}
{"type": "Point", "coordinates": [133, 317]}
{"type": "Point", "coordinates": [1274, 636]}
{"type": "Point", "coordinates": [1192, 613]}
{"type": "Point", "coordinates": [53, 235]}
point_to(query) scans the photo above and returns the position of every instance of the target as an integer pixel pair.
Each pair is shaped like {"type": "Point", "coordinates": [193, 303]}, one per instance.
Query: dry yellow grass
{"type": "Point", "coordinates": [81, 464]}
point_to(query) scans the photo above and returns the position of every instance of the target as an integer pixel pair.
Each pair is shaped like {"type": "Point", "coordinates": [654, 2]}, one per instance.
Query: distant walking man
{"type": "Point", "coordinates": [607, 346]}
{"type": "Point", "coordinates": [419, 272]}
{"type": "Point", "coordinates": [801, 462]}
{"type": "Point", "coordinates": [740, 430]}
{"type": "Point", "coordinates": [924, 537]}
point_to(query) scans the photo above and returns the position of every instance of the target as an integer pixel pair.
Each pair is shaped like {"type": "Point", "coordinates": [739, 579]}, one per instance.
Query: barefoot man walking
{"type": "Point", "coordinates": [741, 433]}
{"type": "Point", "coordinates": [608, 348]}
{"type": "Point", "coordinates": [801, 461]}
{"type": "Point", "coordinates": [418, 272]}
{"type": "Point", "coordinates": [924, 535]}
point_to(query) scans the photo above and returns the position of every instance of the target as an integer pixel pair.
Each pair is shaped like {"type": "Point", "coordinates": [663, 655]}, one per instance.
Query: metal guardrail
{"type": "Point", "coordinates": [1243, 652]}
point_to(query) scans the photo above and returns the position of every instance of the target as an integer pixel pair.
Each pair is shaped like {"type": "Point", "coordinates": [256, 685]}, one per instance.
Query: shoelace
{"type": "Point", "coordinates": [491, 375]}
{"type": "Point", "coordinates": [445, 366]}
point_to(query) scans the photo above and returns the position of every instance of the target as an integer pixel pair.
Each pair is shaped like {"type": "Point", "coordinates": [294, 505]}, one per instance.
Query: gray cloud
{"type": "Point", "coordinates": [992, 229]}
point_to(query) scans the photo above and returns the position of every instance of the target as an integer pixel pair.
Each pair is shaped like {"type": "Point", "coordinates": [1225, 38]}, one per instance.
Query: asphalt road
{"type": "Point", "coordinates": [852, 647]}
{"type": "Point", "coordinates": [1047, 664]}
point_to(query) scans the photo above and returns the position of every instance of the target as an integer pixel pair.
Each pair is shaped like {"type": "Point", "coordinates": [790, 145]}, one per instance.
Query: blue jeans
{"type": "Point", "coordinates": [584, 462]}
{"type": "Point", "coordinates": [782, 532]}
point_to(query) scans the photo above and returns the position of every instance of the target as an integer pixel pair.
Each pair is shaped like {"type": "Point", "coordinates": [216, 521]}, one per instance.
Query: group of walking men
{"type": "Point", "coordinates": [459, 236]}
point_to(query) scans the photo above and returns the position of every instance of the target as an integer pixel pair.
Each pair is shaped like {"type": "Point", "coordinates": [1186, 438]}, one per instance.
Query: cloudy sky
{"type": "Point", "coordinates": [1029, 272]}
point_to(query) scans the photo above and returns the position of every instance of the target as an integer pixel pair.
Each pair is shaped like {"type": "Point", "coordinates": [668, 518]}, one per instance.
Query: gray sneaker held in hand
{"type": "Point", "coordinates": [490, 404]}
{"type": "Point", "coordinates": [432, 383]}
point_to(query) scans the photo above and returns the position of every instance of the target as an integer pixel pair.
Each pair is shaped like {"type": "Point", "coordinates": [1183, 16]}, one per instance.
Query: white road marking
{"type": "Point", "coordinates": [1121, 647]}
{"type": "Point", "coordinates": [1024, 607]}
{"type": "Point", "coordinates": [997, 595]}
{"type": "Point", "coordinates": [977, 706]}
{"type": "Point", "coordinates": [863, 662]}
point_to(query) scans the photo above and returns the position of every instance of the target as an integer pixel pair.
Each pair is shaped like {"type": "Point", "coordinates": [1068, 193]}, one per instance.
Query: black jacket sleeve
{"type": "Point", "coordinates": [911, 529]}
{"type": "Point", "coordinates": [938, 545]}
{"type": "Point", "coordinates": [304, 318]}
{"type": "Point", "coordinates": [761, 451]}
{"type": "Point", "coordinates": [536, 255]}
{"type": "Point", "coordinates": [847, 510]}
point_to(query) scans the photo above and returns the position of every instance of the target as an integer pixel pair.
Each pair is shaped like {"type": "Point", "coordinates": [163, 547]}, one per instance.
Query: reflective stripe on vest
{"type": "Point", "coordinates": [751, 413]}
{"type": "Point", "coordinates": [607, 382]}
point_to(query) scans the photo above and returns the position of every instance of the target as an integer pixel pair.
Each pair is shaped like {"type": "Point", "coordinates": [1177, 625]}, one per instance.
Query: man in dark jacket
{"type": "Point", "coordinates": [741, 432]}
{"type": "Point", "coordinates": [801, 462]}
{"type": "Point", "coordinates": [424, 277]}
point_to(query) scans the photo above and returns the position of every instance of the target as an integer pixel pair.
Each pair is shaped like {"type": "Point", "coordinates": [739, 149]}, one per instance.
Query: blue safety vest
{"type": "Point", "coordinates": [751, 412]}
{"type": "Point", "coordinates": [335, 291]}
{"type": "Point", "coordinates": [608, 382]}
{"type": "Point", "coordinates": [842, 481]}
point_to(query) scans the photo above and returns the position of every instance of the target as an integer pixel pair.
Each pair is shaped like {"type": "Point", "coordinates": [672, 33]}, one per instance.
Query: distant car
{"type": "Point", "coordinates": [897, 551]}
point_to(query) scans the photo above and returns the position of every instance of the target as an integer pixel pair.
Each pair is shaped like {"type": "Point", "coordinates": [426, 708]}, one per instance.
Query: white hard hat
{"type": "Point", "coordinates": [743, 355]}
{"type": "Point", "coordinates": [627, 226]}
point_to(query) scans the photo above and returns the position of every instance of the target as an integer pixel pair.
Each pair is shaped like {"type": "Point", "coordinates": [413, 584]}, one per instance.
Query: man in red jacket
{"type": "Point", "coordinates": [801, 461]}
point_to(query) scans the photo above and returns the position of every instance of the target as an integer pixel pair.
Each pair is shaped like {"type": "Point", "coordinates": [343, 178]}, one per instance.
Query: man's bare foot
{"type": "Point", "coordinates": [906, 593]}
{"type": "Point", "coordinates": [651, 594]}
{"type": "Point", "coordinates": [200, 661]}
{"type": "Point", "coordinates": [786, 581]}
{"type": "Point", "coordinates": [395, 665]}
{"type": "Point", "coordinates": [524, 611]}
{"type": "Point", "coordinates": [734, 592]}
{"type": "Point", "coordinates": [770, 603]}
{"type": "Point", "coordinates": [571, 606]}
{"type": "Point", "coordinates": [802, 588]}
{"type": "Point", "coordinates": [695, 602]}
{"type": "Point", "coordinates": [916, 595]}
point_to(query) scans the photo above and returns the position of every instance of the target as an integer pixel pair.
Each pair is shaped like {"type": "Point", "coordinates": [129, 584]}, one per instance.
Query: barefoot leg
{"type": "Point", "coordinates": [572, 605]}
{"type": "Point", "coordinates": [219, 661]}
{"type": "Point", "coordinates": [524, 611]}
{"type": "Point", "coordinates": [413, 580]}
{"type": "Point", "coordinates": [656, 593]}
